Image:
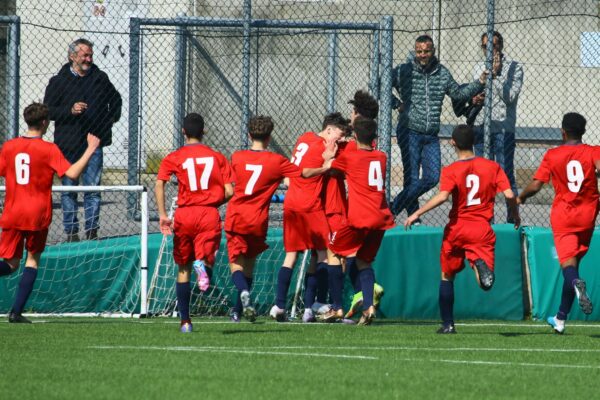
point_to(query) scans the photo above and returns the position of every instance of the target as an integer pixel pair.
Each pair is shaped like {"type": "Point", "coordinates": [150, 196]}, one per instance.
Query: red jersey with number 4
{"type": "Point", "coordinates": [29, 165]}
{"type": "Point", "coordinates": [304, 194]}
{"type": "Point", "coordinates": [257, 175]}
{"type": "Point", "coordinates": [473, 184]}
{"type": "Point", "coordinates": [365, 173]}
{"type": "Point", "coordinates": [201, 173]}
{"type": "Point", "coordinates": [573, 174]}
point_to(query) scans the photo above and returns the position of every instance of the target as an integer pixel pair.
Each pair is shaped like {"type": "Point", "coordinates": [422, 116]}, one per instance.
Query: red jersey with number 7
{"type": "Point", "coordinates": [304, 194]}
{"type": "Point", "coordinates": [365, 173]}
{"type": "Point", "coordinates": [473, 184]}
{"type": "Point", "coordinates": [573, 173]}
{"type": "Point", "coordinates": [256, 175]}
{"type": "Point", "coordinates": [201, 174]}
{"type": "Point", "coordinates": [29, 165]}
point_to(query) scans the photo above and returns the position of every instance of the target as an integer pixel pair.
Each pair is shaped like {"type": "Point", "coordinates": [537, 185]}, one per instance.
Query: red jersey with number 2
{"type": "Point", "coordinates": [201, 173]}
{"type": "Point", "coordinates": [473, 184]}
{"type": "Point", "coordinates": [29, 165]}
{"type": "Point", "coordinates": [257, 175]}
{"type": "Point", "coordinates": [573, 173]}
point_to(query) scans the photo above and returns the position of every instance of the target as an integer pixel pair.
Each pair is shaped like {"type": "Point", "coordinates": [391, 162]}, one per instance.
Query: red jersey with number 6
{"type": "Point", "coordinates": [201, 173]}
{"type": "Point", "coordinates": [365, 173]}
{"type": "Point", "coordinates": [29, 165]}
{"type": "Point", "coordinates": [473, 184]}
{"type": "Point", "coordinates": [257, 175]}
{"type": "Point", "coordinates": [573, 173]}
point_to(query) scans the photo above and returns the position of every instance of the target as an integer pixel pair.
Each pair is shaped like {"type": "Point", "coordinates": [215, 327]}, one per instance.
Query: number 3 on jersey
{"type": "Point", "coordinates": [473, 184]}
{"type": "Point", "coordinates": [375, 175]}
{"type": "Point", "coordinates": [190, 166]}
{"type": "Point", "coordinates": [301, 150]}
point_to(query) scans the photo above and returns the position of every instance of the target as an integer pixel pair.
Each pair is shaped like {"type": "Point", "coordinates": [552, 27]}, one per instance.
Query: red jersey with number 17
{"type": "Point", "coordinates": [365, 173]}
{"type": "Point", "coordinates": [257, 175]}
{"type": "Point", "coordinates": [201, 173]}
{"type": "Point", "coordinates": [573, 173]}
{"type": "Point", "coordinates": [304, 194]}
{"type": "Point", "coordinates": [473, 184]}
{"type": "Point", "coordinates": [29, 165]}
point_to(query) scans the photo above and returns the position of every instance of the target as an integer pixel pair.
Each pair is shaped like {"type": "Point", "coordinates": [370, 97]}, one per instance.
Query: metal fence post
{"type": "Point", "coordinates": [385, 109]}
{"type": "Point", "coordinates": [487, 143]}
{"type": "Point", "coordinates": [133, 161]}
{"type": "Point", "coordinates": [375, 60]}
{"type": "Point", "coordinates": [246, 74]}
{"type": "Point", "coordinates": [332, 71]}
{"type": "Point", "coordinates": [13, 77]}
{"type": "Point", "coordinates": [180, 75]}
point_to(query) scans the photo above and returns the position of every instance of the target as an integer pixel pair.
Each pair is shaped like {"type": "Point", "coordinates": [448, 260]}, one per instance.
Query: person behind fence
{"type": "Point", "coordinates": [422, 83]}
{"type": "Point", "coordinates": [28, 163]}
{"type": "Point", "coordinates": [573, 169]}
{"type": "Point", "coordinates": [82, 99]}
{"type": "Point", "coordinates": [507, 82]}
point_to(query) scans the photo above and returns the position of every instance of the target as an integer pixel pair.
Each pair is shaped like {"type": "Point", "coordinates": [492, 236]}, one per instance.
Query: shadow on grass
{"type": "Point", "coordinates": [252, 331]}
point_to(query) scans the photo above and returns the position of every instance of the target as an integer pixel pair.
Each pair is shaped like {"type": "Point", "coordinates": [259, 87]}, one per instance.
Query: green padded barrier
{"type": "Point", "coordinates": [408, 266]}
{"type": "Point", "coordinates": [547, 280]}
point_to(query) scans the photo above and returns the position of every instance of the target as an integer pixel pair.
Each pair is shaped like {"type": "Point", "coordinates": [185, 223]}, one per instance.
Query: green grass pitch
{"type": "Point", "coordinates": [101, 358]}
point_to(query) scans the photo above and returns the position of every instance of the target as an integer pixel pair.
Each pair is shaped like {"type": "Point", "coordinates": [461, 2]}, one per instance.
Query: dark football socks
{"type": "Point", "coordinates": [353, 273]}
{"type": "Point", "coordinates": [367, 280]}
{"type": "Point", "coordinates": [283, 284]}
{"type": "Point", "coordinates": [336, 285]}
{"type": "Point", "coordinates": [184, 291]}
{"type": "Point", "coordinates": [24, 289]}
{"type": "Point", "coordinates": [310, 290]}
{"type": "Point", "coordinates": [568, 292]}
{"type": "Point", "coordinates": [446, 301]}
{"type": "Point", "coordinates": [322, 282]}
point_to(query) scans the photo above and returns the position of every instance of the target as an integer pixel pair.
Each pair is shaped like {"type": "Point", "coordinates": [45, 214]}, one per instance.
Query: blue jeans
{"type": "Point", "coordinates": [503, 152]}
{"type": "Point", "coordinates": [419, 151]}
{"type": "Point", "coordinates": [91, 200]}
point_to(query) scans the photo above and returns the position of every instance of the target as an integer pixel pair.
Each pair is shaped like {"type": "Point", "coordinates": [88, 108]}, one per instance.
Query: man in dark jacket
{"type": "Point", "coordinates": [422, 84]}
{"type": "Point", "coordinates": [82, 100]}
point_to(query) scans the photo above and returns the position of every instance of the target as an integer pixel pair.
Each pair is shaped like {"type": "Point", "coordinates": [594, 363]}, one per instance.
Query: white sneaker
{"type": "Point", "coordinates": [320, 308]}
{"type": "Point", "coordinates": [557, 324]}
{"type": "Point", "coordinates": [308, 315]}
{"type": "Point", "coordinates": [248, 311]}
{"type": "Point", "coordinates": [277, 314]}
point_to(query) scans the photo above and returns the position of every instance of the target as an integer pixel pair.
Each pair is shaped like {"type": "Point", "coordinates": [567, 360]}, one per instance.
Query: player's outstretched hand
{"type": "Point", "coordinates": [330, 149]}
{"type": "Point", "coordinates": [93, 141]}
{"type": "Point", "coordinates": [517, 219]}
{"type": "Point", "coordinates": [166, 226]}
{"type": "Point", "coordinates": [520, 200]}
{"type": "Point", "coordinates": [410, 220]}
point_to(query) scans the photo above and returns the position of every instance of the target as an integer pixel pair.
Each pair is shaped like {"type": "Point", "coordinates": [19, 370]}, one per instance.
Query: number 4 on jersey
{"type": "Point", "coordinates": [375, 175]}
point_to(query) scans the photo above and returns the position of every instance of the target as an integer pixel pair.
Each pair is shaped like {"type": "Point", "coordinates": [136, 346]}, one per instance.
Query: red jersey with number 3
{"type": "Point", "coordinates": [257, 175]}
{"type": "Point", "coordinates": [29, 165]}
{"type": "Point", "coordinates": [573, 174]}
{"type": "Point", "coordinates": [304, 194]}
{"type": "Point", "coordinates": [201, 173]}
{"type": "Point", "coordinates": [365, 173]}
{"type": "Point", "coordinates": [473, 184]}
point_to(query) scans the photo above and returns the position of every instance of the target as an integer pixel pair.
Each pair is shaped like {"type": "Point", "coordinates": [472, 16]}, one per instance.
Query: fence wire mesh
{"type": "Point", "coordinates": [557, 43]}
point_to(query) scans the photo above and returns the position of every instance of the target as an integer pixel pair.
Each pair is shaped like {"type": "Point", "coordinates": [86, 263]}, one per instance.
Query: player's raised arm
{"type": "Point", "coordinates": [434, 202]}
{"type": "Point", "coordinates": [328, 154]}
{"type": "Point", "coordinates": [75, 169]}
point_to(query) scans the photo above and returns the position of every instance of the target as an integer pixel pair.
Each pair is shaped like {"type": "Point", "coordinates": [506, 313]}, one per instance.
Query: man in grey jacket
{"type": "Point", "coordinates": [506, 85]}
{"type": "Point", "coordinates": [422, 84]}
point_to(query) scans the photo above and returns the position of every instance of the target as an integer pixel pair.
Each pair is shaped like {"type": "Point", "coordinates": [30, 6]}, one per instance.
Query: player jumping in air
{"type": "Point", "coordinates": [572, 168]}
{"type": "Point", "coordinates": [29, 163]}
{"type": "Point", "coordinates": [204, 178]}
{"type": "Point", "coordinates": [473, 183]}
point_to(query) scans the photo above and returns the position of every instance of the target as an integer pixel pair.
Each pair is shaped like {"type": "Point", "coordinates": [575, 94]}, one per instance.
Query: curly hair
{"type": "Point", "coordinates": [365, 104]}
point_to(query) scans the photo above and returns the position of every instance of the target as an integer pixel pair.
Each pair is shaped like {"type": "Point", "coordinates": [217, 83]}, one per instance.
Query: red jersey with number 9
{"type": "Point", "coordinates": [29, 165]}
{"type": "Point", "coordinates": [473, 184]}
{"type": "Point", "coordinates": [365, 173]}
{"type": "Point", "coordinates": [201, 173]}
{"type": "Point", "coordinates": [573, 173]}
{"type": "Point", "coordinates": [257, 175]}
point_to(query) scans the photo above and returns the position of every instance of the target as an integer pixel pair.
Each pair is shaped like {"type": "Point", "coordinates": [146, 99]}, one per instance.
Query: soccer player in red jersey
{"type": "Point", "coordinates": [572, 168]}
{"type": "Point", "coordinates": [258, 173]}
{"type": "Point", "coordinates": [204, 178]}
{"type": "Point", "coordinates": [473, 183]}
{"type": "Point", "coordinates": [304, 223]}
{"type": "Point", "coordinates": [28, 164]}
{"type": "Point", "coordinates": [368, 213]}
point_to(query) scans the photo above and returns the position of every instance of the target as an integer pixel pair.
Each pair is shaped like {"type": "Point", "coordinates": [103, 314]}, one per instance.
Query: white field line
{"type": "Point", "coordinates": [442, 349]}
{"type": "Point", "coordinates": [506, 363]}
{"type": "Point", "coordinates": [235, 351]}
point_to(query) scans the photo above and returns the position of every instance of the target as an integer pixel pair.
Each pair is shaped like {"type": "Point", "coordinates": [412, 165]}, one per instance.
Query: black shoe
{"type": "Point", "coordinates": [446, 329]}
{"type": "Point", "coordinates": [584, 300]}
{"type": "Point", "coordinates": [92, 234]}
{"type": "Point", "coordinates": [485, 275]}
{"type": "Point", "coordinates": [72, 237]}
{"type": "Point", "coordinates": [15, 318]}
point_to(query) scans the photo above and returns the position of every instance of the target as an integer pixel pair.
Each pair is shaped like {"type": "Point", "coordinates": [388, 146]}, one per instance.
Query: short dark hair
{"type": "Point", "coordinates": [365, 104]}
{"type": "Point", "coordinates": [335, 119]}
{"type": "Point", "coordinates": [463, 137]}
{"type": "Point", "coordinates": [365, 130]}
{"type": "Point", "coordinates": [424, 39]}
{"type": "Point", "coordinates": [35, 114]}
{"type": "Point", "coordinates": [574, 125]}
{"type": "Point", "coordinates": [497, 35]}
{"type": "Point", "coordinates": [260, 127]}
{"type": "Point", "coordinates": [193, 126]}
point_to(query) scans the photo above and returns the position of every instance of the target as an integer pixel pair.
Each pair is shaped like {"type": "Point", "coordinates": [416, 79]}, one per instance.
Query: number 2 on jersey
{"type": "Point", "coordinates": [22, 161]}
{"type": "Point", "coordinates": [189, 166]}
{"type": "Point", "coordinates": [575, 176]}
{"type": "Point", "coordinates": [473, 183]}
{"type": "Point", "coordinates": [375, 175]}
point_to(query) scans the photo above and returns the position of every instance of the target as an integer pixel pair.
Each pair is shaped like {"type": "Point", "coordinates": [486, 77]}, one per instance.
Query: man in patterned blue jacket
{"type": "Point", "coordinates": [422, 84]}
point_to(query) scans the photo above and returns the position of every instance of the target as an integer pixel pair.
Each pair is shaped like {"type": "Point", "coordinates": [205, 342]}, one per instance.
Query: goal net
{"type": "Point", "coordinates": [102, 276]}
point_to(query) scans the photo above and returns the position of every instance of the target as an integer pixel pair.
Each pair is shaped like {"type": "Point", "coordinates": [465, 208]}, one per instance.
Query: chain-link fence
{"type": "Point", "coordinates": [557, 44]}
